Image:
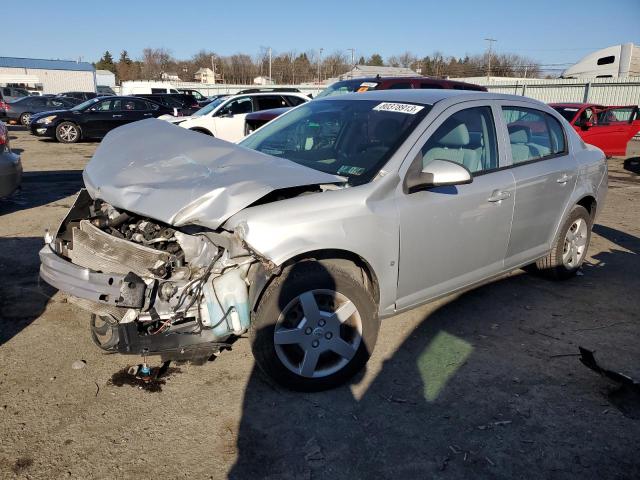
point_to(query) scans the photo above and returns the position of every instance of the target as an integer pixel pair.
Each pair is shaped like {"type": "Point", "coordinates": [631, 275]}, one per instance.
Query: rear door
{"type": "Point", "coordinates": [103, 117]}
{"type": "Point", "coordinates": [134, 109]}
{"type": "Point", "coordinates": [612, 129]}
{"type": "Point", "coordinates": [545, 176]}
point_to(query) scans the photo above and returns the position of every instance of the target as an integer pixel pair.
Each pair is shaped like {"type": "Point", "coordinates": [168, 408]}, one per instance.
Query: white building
{"type": "Point", "coordinates": [263, 81]}
{"type": "Point", "coordinates": [105, 78]}
{"type": "Point", "coordinates": [204, 75]}
{"type": "Point", "coordinates": [51, 76]}
{"type": "Point", "coordinates": [170, 77]}
{"type": "Point", "coordinates": [619, 61]}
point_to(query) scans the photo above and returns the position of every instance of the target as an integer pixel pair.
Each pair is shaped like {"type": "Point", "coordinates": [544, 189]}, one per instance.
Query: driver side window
{"type": "Point", "coordinates": [467, 137]}
{"type": "Point", "coordinates": [238, 106]}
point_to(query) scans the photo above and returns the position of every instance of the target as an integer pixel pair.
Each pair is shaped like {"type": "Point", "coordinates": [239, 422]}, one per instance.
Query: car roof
{"type": "Point", "coordinates": [575, 104]}
{"type": "Point", "coordinates": [427, 96]}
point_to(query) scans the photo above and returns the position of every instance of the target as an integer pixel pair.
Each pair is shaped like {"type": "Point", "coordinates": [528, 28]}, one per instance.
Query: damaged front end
{"type": "Point", "coordinates": [156, 289]}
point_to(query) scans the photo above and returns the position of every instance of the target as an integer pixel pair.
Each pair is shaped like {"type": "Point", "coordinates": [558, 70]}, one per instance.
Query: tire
{"type": "Point", "coordinates": [281, 312]}
{"type": "Point", "coordinates": [65, 132]}
{"type": "Point", "coordinates": [560, 264]}
{"type": "Point", "coordinates": [25, 118]}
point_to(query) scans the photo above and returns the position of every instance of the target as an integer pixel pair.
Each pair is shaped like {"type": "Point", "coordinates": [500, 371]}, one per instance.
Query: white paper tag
{"type": "Point", "coordinates": [398, 107]}
{"type": "Point", "coordinates": [369, 84]}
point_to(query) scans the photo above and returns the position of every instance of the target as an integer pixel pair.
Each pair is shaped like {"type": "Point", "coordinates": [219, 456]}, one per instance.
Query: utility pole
{"type": "Point", "coordinates": [353, 64]}
{"type": "Point", "coordinates": [490, 40]}
{"type": "Point", "coordinates": [213, 67]}
{"type": "Point", "coordinates": [319, 62]}
{"type": "Point", "coordinates": [270, 79]}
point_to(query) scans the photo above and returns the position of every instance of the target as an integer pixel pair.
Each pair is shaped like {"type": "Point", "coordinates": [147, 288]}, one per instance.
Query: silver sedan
{"type": "Point", "coordinates": [10, 165]}
{"type": "Point", "coordinates": [337, 214]}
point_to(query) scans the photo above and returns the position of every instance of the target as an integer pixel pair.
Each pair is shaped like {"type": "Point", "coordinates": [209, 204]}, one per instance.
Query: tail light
{"type": "Point", "coordinates": [195, 105]}
{"type": "Point", "coordinates": [4, 135]}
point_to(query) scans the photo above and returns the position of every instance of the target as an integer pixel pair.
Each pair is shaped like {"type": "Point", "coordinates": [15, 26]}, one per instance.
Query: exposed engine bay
{"type": "Point", "coordinates": [176, 292]}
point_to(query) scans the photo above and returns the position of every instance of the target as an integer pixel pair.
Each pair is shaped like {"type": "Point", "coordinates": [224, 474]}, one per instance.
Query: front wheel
{"type": "Point", "coordinates": [570, 246]}
{"type": "Point", "coordinates": [67, 132]}
{"type": "Point", "coordinates": [315, 327]}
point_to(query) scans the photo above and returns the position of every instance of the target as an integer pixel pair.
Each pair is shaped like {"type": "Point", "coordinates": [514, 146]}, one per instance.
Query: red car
{"type": "Point", "coordinates": [608, 128]}
{"type": "Point", "coordinates": [253, 121]}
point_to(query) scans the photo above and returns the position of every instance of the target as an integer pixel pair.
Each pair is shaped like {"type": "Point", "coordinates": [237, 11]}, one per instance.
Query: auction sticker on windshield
{"type": "Point", "coordinates": [398, 107]}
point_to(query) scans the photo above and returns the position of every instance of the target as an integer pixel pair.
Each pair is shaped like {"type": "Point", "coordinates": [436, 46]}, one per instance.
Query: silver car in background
{"type": "Point", "coordinates": [341, 212]}
{"type": "Point", "coordinates": [10, 165]}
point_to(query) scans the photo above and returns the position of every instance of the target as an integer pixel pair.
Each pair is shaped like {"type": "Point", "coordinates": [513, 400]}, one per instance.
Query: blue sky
{"type": "Point", "coordinates": [550, 31]}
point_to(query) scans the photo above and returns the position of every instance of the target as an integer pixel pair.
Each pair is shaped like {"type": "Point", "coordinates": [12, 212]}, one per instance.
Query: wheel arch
{"type": "Point", "coordinates": [202, 130]}
{"type": "Point", "coordinates": [590, 203]}
{"type": "Point", "coordinates": [260, 279]}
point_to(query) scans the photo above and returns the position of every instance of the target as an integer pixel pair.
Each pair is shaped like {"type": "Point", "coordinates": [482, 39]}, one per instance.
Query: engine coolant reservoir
{"type": "Point", "coordinates": [228, 291]}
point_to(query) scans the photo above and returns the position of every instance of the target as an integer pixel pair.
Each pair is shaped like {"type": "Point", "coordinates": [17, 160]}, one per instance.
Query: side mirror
{"type": "Point", "coordinates": [436, 173]}
{"type": "Point", "coordinates": [587, 125]}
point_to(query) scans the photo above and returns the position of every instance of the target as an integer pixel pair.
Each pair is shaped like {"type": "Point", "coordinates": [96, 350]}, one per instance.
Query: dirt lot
{"type": "Point", "coordinates": [484, 384]}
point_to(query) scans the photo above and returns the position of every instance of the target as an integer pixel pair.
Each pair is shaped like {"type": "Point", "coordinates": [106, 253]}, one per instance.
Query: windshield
{"type": "Point", "coordinates": [351, 138]}
{"type": "Point", "coordinates": [567, 112]}
{"type": "Point", "coordinates": [347, 86]}
{"type": "Point", "coordinates": [87, 104]}
{"type": "Point", "coordinates": [210, 107]}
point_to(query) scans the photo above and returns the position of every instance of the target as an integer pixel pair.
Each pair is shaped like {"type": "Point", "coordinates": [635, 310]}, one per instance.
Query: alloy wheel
{"type": "Point", "coordinates": [68, 133]}
{"type": "Point", "coordinates": [318, 333]}
{"type": "Point", "coordinates": [575, 244]}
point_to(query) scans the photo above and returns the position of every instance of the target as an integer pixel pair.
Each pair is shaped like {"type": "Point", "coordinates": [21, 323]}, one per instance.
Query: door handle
{"type": "Point", "coordinates": [116, 116]}
{"type": "Point", "coordinates": [498, 195]}
{"type": "Point", "coordinates": [564, 178]}
{"type": "Point", "coordinates": [148, 114]}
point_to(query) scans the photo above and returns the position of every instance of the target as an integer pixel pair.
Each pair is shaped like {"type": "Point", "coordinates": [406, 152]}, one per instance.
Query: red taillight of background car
{"type": "Point", "coordinates": [4, 134]}
{"type": "Point", "coordinates": [195, 105]}
{"type": "Point", "coordinates": [4, 106]}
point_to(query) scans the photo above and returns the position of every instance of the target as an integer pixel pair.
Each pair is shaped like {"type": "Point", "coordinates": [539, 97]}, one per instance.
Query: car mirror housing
{"type": "Point", "coordinates": [436, 173]}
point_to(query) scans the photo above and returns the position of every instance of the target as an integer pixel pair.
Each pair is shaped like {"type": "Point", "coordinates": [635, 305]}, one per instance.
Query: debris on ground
{"type": "Point", "coordinates": [79, 364]}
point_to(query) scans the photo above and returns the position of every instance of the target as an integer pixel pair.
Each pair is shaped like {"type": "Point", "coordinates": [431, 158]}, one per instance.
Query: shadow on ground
{"type": "Point", "coordinates": [487, 386]}
{"type": "Point", "coordinates": [23, 296]}
{"type": "Point", "coordinates": [41, 188]}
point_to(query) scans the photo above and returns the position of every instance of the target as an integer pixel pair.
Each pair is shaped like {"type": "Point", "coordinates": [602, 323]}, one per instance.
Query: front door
{"type": "Point", "coordinates": [454, 236]}
{"type": "Point", "coordinates": [545, 176]}
{"type": "Point", "coordinates": [612, 129]}
{"type": "Point", "coordinates": [229, 121]}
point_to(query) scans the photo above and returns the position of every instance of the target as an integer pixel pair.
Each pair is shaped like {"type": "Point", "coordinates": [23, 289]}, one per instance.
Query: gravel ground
{"type": "Point", "coordinates": [484, 384]}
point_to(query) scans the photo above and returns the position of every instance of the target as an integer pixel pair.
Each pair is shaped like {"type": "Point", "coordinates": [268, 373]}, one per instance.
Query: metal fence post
{"type": "Point", "coordinates": [524, 90]}
{"type": "Point", "coordinates": [587, 88]}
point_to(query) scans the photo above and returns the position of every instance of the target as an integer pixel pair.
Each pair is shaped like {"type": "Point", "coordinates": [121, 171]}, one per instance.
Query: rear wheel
{"type": "Point", "coordinates": [315, 327]}
{"type": "Point", "coordinates": [569, 248]}
{"type": "Point", "coordinates": [67, 132]}
{"type": "Point", "coordinates": [25, 118]}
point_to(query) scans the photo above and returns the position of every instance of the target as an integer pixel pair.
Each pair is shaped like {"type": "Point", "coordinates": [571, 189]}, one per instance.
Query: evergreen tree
{"type": "Point", "coordinates": [375, 60]}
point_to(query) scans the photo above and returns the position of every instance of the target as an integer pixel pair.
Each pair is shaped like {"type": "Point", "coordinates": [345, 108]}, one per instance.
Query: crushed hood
{"type": "Point", "coordinates": [181, 177]}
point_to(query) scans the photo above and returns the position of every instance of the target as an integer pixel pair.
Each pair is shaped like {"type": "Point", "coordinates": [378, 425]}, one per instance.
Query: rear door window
{"type": "Point", "coordinates": [268, 102]}
{"type": "Point", "coordinates": [294, 101]}
{"type": "Point", "coordinates": [533, 134]}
